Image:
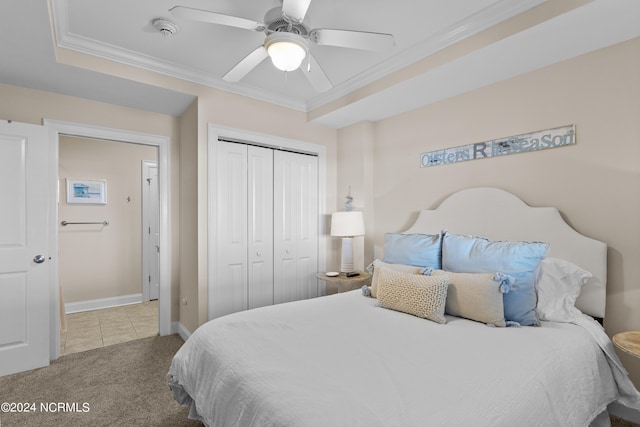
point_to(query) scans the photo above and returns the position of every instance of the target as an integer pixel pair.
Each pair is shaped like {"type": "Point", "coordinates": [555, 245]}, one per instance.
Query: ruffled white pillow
{"type": "Point", "coordinates": [558, 287]}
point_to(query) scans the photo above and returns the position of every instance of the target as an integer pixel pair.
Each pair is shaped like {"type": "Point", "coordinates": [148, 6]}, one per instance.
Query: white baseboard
{"type": "Point", "coordinates": [181, 330]}
{"type": "Point", "coordinates": [97, 304]}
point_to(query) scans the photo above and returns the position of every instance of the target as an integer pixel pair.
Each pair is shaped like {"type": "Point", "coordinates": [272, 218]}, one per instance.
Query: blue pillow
{"type": "Point", "coordinates": [467, 254]}
{"type": "Point", "coordinates": [420, 250]}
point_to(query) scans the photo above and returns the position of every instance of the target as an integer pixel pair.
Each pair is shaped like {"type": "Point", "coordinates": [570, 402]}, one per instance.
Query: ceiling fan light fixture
{"type": "Point", "coordinates": [286, 50]}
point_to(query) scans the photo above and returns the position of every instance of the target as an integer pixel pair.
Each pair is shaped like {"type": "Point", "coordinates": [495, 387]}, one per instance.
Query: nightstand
{"type": "Point", "coordinates": [344, 283]}
{"type": "Point", "coordinates": [629, 342]}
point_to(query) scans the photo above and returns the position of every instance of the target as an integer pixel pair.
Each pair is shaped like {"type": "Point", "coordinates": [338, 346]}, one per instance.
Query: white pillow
{"type": "Point", "coordinates": [558, 287]}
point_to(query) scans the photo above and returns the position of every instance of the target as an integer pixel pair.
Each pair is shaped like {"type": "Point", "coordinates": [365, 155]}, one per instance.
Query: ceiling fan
{"type": "Point", "coordinates": [288, 40]}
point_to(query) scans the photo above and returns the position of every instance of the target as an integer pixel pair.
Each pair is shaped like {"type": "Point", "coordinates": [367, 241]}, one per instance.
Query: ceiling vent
{"type": "Point", "coordinates": [166, 28]}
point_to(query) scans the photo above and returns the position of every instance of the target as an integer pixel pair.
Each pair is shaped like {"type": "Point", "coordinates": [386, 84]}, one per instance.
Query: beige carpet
{"type": "Point", "coordinates": [122, 385]}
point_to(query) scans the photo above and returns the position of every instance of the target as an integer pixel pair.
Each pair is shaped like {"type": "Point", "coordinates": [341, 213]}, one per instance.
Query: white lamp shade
{"type": "Point", "coordinates": [347, 224]}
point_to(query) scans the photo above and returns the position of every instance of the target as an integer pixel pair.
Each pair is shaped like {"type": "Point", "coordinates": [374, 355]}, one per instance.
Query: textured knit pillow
{"type": "Point", "coordinates": [422, 296]}
{"type": "Point", "coordinates": [377, 265]}
{"type": "Point", "coordinates": [468, 254]}
{"type": "Point", "coordinates": [476, 296]}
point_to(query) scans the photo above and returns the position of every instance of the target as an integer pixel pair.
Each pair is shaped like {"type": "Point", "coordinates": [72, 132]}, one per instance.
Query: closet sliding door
{"type": "Point", "coordinates": [266, 222]}
{"type": "Point", "coordinates": [295, 226]}
{"type": "Point", "coordinates": [244, 212]}
{"type": "Point", "coordinates": [230, 285]}
{"type": "Point", "coordinates": [260, 226]}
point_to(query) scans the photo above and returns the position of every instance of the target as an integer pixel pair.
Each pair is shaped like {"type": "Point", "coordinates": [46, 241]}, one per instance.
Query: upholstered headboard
{"type": "Point", "coordinates": [499, 215]}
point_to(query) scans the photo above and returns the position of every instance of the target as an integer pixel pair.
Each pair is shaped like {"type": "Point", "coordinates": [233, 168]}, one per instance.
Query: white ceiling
{"type": "Point", "coordinates": [121, 30]}
{"type": "Point", "coordinates": [27, 59]}
{"type": "Point", "coordinates": [204, 52]}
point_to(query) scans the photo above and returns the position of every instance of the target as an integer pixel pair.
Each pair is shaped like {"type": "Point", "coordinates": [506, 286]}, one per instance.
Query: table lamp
{"type": "Point", "coordinates": [347, 225]}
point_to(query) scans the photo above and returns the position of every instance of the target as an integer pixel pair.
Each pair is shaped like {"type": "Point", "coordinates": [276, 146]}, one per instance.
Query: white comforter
{"type": "Point", "coordinates": [343, 361]}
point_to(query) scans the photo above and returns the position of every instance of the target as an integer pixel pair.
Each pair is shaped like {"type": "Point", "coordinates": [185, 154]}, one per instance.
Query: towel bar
{"type": "Point", "coordinates": [65, 223]}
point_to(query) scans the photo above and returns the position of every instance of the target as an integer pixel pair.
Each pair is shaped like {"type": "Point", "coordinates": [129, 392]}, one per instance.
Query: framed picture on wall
{"type": "Point", "coordinates": [87, 191]}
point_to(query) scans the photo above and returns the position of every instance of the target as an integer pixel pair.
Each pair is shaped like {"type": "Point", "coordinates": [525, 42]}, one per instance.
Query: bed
{"type": "Point", "coordinates": [354, 360]}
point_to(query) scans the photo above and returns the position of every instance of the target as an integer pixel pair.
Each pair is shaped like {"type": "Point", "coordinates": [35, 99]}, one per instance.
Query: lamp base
{"type": "Point", "coordinates": [346, 264]}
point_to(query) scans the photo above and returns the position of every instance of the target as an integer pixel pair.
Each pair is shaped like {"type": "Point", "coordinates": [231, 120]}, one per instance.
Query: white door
{"type": "Point", "coordinates": [229, 278]}
{"type": "Point", "coordinates": [295, 226]}
{"type": "Point", "coordinates": [24, 246]}
{"type": "Point", "coordinates": [260, 226]}
{"type": "Point", "coordinates": [150, 231]}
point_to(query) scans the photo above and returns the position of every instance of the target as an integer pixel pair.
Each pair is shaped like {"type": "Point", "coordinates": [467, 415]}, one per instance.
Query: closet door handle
{"type": "Point", "coordinates": [259, 253]}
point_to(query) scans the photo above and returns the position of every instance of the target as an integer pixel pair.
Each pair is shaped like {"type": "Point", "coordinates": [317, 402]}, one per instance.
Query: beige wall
{"type": "Point", "coordinates": [97, 261]}
{"type": "Point", "coordinates": [355, 175]}
{"type": "Point", "coordinates": [188, 313]}
{"type": "Point", "coordinates": [595, 184]}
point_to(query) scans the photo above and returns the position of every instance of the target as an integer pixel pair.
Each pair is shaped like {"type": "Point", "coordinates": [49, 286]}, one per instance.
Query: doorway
{"type": "Point", "coordinates": [161, 143]}
{"type": "Point", "coordinates": [101, 240]}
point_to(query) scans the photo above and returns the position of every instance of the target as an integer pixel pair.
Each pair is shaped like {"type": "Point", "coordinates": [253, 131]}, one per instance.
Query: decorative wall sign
{"type": "Point", "coordinates": [541, 140]}
{"type": "Point", "coordinates": [86, 191]}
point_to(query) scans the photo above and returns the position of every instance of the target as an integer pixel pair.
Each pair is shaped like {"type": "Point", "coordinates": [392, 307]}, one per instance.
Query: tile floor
{"type": "Point", "coordinates": [99, 328]}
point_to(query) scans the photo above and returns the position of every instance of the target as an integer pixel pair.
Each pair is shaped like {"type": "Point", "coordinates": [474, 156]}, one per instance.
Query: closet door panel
{"type": "Point", "coordinates": [295, 226]}
{"type": "Point", "coordinates": [230, 284]}
{"type": "Point", "coordinates": [260, 226]}
{"type": "Point", "coordinates": [285, 273]}
{"type": "Point", "coordinates": [307, 167]}
{"type": "Point", "coordinates": [284, 268]}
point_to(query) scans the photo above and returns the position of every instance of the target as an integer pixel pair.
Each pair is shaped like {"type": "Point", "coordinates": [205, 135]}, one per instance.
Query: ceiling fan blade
{"type": "Point", "coordinates": [243, 67]}
{"type": "Point", "coordinates": [215, 18]}
{"type": "Point", "coordinates": [352, 39]}
{"type": "Point", "coordinates": [295, 9]}
{"type": "Point", "coordinates": [316, 76]}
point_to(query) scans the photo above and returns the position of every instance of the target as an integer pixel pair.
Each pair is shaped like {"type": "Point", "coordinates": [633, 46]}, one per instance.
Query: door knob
{"type": "Point", "coordinates": [38, 259]}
